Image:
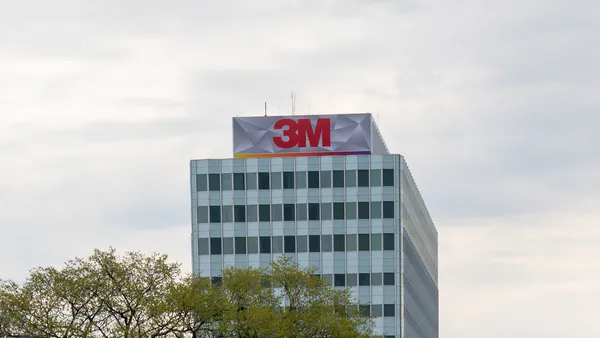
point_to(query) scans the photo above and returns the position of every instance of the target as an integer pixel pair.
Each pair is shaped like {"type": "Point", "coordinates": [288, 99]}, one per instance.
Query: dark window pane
{"type": "Point", "coordinates": [388, 278]}
{"type": "Point", "coordinates": [202, 214]}
{"type": "Point", "coordinates": [363, 210]}
{"type": "Point", "coordinates": [227, 213]}
{"type": "Point", "coordinates": [314, 243]}
{"type": "Point", "coordinates": [351, 242]}
{"type": "Point", "coordinates": [376, 279]}
{"type": "Point", "coordinates": [252, 245]}
{"type": "Point", "coordinates": [326, 245]}
{"type": "Point", "coordinates": [350, 178]}
{"type": "Point", "coordinates": [276, 212]}
{"type": "Point", "coordinates": [363, 242]}
{"type": "Point", "coordinates": [326, 211]}
{"type": "Point", "coordinates": [339, 242]}
{"type": "Point", "coordinates": [352, 279]}
{"type": "Point", "coordinates": [375, 210]}
{"type": "Point", "coordinates": [363, 178]}
{"type": "Point", "coordinates": [265, 244]}
{"type": "Point", "coordinates": [252, 213]}
{"type": "Point", "coordinates": [301, 213]}
{"type": "Point", "coordinates": [388, 241]}
{"type": "Point", "coordinates": [276, 180]}
{"type": "Point", "coordinates": [388, 177]}
{"type": "Point", "coordinates": [313, 211]}
{"type": "Point", "coordinates": [288, 180]}
{"type": "Point", "coordinates": [350, 210]}
{"type": "Point", "coordinates": [364, 279]}
{"type": "Point", "coordinates": [326, 179]}
{"type": "Point", "coordinates": [289, 212]}
{"type": "Point", "coordinates": [216, 281]}
{"type": "Point", "coordinates": [201, 183]}
{"type": "Point", "coordinates": [389, 310]}
{"type": "Point", "coordinates": [264, 212]}
{"type": "Point", "coordinates": [338, 178]}
{"type": "Point", "coordinates": [215, 246]}
{"type": "Point", "coordinates": [290, 244]}
{"type": "Point", "coordinates": [339, 279]}
{"type": "Point", "coordinates": [226, 183]}
{"type": "Point", "coordinates": [214, 182]}
{"type": "Point", "coordinates": [375, 177]}
{"type": "Point", "coordinates": [238, 181]}
{"type": "Point", "coordinates": [365, 310]}
{"type": "Point", "coordinates": [338, 210]}
{"type": "Point", "coordinates": [239, 213]}
{"type": "Point", "coordinates": [251, 181]}
{"type": "Point", "coordinates": [203, 246]}
{"type": "Point", "coordinates": [301, 180]}
{"type": "Point", "coordinates": [313, 179]}
{"type": "Point", "coordinates": [215, 214]}
{"type": "Point", "coordinates": [388, 209]}
{"type": "Point", "coordinates": [228, 246]}
{"type": "Point", "coordinates": [264, 181]}
{"type": "Point", "coordinates": [302, 243]}
{"type": "Point", "coordinates": [240, 245]}
{"type": "Point", "coordinates": [375, 242]}
{"type": "Point", "coordinates": [376, 310]}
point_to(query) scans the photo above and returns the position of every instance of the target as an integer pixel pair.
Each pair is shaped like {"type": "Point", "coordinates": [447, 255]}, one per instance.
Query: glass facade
{"type": "Point", "coordinates": [358, 219]}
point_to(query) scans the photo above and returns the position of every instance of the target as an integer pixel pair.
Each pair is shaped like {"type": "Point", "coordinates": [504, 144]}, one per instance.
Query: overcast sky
{"type": "Point", "coordinates": [494, 104]}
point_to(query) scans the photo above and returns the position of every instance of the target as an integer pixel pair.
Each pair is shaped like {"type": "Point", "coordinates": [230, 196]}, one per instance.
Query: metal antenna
{"type": "Point", "coordinates": [265, 108]}
{"type": "Point", "coordinates": [293, 102]}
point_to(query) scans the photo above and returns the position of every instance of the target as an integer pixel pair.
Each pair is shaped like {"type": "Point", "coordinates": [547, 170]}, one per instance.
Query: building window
{"type": "Point", "coordinates": [389, 310]}
{"type": "Point", "coordinates": [326, 245]}
{"type": "Point", "coordinates": [227, 213]}
{"type": "Point", "coordinates": [301, 213]}
{"type": "Point", "coordinates": [239, 213]}
{"type": "Point", "coordinates": [351, 279]}
{"type": "Point", "coordinates": [252, 245]}
{"type": "Point", "coordinates": [365, 310]}
{"type": "Point", "coordinates": [265, 244]}
{"type": "Point", "coordinates": [276, 212]}
{"type": "Point", "coordinates": [376, 279]}
{"type": "Point", "coordinates": [375, 177]}
{"type": "Point", "coordinates": [375, 210]}
{"type": "Point", "coordinates": [214, 183]}
{"type": "Point", "coordinates": [252, 213]}
{"type": "Point", "coordinates": [338, 210]}
{"type": "Point", "coordinates": [277, 244]}
{"type": "Point", "coordinates": [350, 210]}
{"type": "Point", "coordinates": [228, 246]}
{"type": "Point", "coordinates": [238, 181]}
{"type": "Point", "coordinates": [313, 179]}
{"type": "Point", "coordinates": [251, 181]}
{"type": "Point", "coordinates": [240, 245]}
{"type": "Point", "coordinates": [264, 212]}
{"type": "Point", "coordinates": [215, 246]}
{"type": "Point", "coordinates": [276, 180]}
{"type": "Point", "coordinates": [339, 243]}
{"type": "Point", "coordinates": [388, 177]}
{"type": "Point", "coordinates": [363, 210]}
{"type": "Point", "coordinates": [202, 214]}
{"type": "Point", "coordinates": [326, 211]}
{"type": "Point", "coordinates": [313, 211]}
{"type": "Point", "coordinates": [328, 279]}
{"type": "Point", "coordinates": [314, 243]}
{"type": "Point", "coordinates": [264, 181]}
{"type": "Point", "coordinates": [290, 244]}
{"type": "Point", "coordinates": [288, 180]}
{"type": "Point", "coordinates": [388, 241]}
{"type": "Point", "coordinates": [289, 212]}
{"type": "Point", "coordinates": [216, 281]}
{"type": "Point", "coordinates": [350, 178]}
{"type": "Point", "coordinates": [203, 246]}
{"type": "Point", "coordinates": [363, 242]}
{"type": "Point", "coordinates": [376, 310]}
{"type": "Point", "coordinates": [363, 178]}
{"type": "Point", "coordinates": [339, 279]}
{"type": "Point", "coordinates": [326, 179]}
{"type": "Point", "coordinates": [201, 184]}
{"type": "Point", "coordinates": [302, 243]}
{"type": "Point", "coordinates": [388, 209]}
{"type": "Point", "coordinates": [351, 242]}
{"type": "Point", "coordinates": [215, 214]}
{"type": "Point", "coordinates": [338, 178]}
{"type": "Point", "coordinates": [388, 278]}
{"type": "Point", "coordinates": [226, 182]}
{"type": "Point", "coordinates": [301, 180]}
{"type": "Point", "coordinates": [375, 242]}
{"type": "Point", "coordinates": [364, 279]}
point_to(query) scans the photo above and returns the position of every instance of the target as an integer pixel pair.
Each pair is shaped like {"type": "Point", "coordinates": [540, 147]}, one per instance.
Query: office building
{"type": "Point", "coordinates": [325, 190]}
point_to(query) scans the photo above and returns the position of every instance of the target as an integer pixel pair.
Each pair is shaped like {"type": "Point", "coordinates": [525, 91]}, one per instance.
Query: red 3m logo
{"type": "Point", "coordinates": [299, 131]}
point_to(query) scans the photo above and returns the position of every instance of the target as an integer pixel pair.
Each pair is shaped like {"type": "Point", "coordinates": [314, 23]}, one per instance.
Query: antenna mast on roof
{"type": "Point", "coordinates": [265, 108]}
{"type": "Point", "coordinates": [293, 102]}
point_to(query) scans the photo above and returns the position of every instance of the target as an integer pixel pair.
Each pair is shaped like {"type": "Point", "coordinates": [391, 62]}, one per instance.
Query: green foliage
{"type": "Point", "coordinates": [137, 296]}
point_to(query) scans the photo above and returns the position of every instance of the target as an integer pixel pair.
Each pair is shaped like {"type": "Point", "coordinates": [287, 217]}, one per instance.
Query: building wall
{"type": "Point", "coordinates": [342, 215]}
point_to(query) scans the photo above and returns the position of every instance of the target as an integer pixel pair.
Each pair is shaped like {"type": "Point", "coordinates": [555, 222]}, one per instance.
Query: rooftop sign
{"type": "Point", "coordinates": [308, 135]}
